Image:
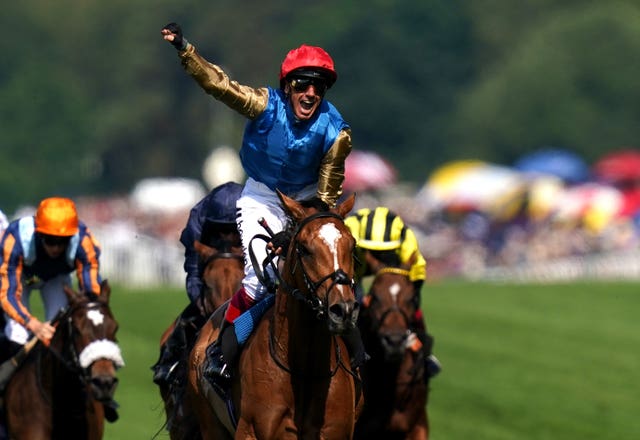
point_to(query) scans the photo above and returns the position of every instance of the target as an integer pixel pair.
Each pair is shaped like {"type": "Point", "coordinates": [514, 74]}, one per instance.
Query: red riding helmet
{"type": "Point", "coordinates": [313, 60]}
{"type": "Point", "coordinates": [57, 216]}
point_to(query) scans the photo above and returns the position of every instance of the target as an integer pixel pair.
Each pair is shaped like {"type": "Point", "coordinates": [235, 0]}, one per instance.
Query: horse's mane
{"type": "Point", "coordinates": [316, 203]}
{"type": "Point", "coordinates": [389, 258]}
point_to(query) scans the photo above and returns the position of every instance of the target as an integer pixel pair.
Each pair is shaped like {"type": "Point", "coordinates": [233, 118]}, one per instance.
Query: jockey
{"type": "Point", "coordinates": [383, 233]}
{"type": "Point", "coordinates": [212, 221]}
{"type": "Point", "coordinates": [295, 141]}
{"type": "Point", "coordinates": [39, 253]}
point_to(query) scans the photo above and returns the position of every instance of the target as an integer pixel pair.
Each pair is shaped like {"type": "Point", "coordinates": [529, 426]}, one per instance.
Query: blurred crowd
{"type": "Point", "coordinates": [469, 216]}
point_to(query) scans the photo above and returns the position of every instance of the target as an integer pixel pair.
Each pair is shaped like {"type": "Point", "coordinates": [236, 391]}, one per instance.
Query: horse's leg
{"type": "Point", "coordinates": [165, 389]}
{"type": "Point", "coordinates": [195, 395]}
{"type": "Point", "coordinates": [420, 430]}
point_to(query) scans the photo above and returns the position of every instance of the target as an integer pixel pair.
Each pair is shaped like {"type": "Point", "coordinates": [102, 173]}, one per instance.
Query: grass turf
{"type": "Point", "coordinates": [519, 361]}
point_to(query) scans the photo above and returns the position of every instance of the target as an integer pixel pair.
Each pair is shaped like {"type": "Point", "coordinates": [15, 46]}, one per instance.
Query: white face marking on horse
{"type": "Point", "coordinates": [96, 317]}
{"type": "Point", "coordinates": [330, 235]}
{"type": "Point", "coordinates": [394, 290]}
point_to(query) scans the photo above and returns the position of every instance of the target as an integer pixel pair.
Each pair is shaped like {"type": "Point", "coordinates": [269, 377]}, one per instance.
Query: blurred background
{"type": "Point", "coordinates": [505, 133]}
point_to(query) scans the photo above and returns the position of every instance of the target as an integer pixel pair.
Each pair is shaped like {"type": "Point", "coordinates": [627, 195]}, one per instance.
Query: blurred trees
{"type": "Point", "coordinates": [92, 100]}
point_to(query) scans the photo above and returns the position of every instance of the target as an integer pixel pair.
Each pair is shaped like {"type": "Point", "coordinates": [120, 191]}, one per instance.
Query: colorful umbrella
{"type": "Point", "coordinates": [619, 167]}
{"type": "Point", "coordinates": [366, 170]}
{"type": "Point", "coordinates": [560, 163]}
{"type": "Point", "coordinates": [473, 185]}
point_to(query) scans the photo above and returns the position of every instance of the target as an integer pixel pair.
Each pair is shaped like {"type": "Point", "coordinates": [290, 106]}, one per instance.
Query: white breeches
{"type": "Point", "coordinates": [257, 201]}
{"type": "Point", "coordinates": [53, 299]}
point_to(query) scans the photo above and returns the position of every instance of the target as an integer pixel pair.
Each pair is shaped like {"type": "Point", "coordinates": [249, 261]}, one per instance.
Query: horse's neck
{"type": "Point", "coordinates": [305, 338]}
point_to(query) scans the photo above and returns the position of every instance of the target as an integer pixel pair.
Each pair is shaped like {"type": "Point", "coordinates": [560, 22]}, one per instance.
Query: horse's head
{"type": "Point", "coordinates": [319, 265]}
{"type": "Point", "coordinates": [391, 305]}
{"type": "Point", "coordinates": [86, 338]}
{"type": "Point", "coordinates": [223, 270]}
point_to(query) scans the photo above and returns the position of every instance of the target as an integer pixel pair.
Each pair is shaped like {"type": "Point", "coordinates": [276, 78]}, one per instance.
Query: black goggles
{"type": "Point", "coordinates": [302, 84]}
{"type": "Point", "coordinates": [53, 240]}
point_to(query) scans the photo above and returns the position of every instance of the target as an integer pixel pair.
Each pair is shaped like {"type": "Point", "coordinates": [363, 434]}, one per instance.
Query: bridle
{"type": "Point", "coordinates": [308, 296]}
{"type": "Point", "coordinates": [223, 253]}
{"type": "Point", "coordinates": [80, 362]}
{"type": "Point", "coordinates": [394, 308]}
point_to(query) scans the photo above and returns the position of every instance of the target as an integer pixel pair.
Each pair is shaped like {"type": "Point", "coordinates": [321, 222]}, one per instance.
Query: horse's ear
{"type": "Point", "coordinates": [105, 291]}
{"type": "Point", "coordinates": [203, 250]}
{"type": "Point", "coordinates": [72, 295]}
{"type": "Point", "coordinates": [345, 207]}
{"type": "Point", "coordinates": [372, 262]}
{"type": "Point", "coordinates": [412, 260]}
{"type": "Point", "coordinates": [294, 208]}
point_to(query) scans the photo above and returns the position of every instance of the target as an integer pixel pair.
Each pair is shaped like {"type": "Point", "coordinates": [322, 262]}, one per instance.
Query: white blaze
{"type": "Point", "coordinates": [394, 290]}
{"type": "Point", "coordinates": [96, 317]}
{"type": "Point", "coordinates": [330, 235]}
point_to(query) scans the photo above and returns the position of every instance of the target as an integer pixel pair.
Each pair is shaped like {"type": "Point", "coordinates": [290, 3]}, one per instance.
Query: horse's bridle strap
{"type": "Point", "coordinates": [395, 270]}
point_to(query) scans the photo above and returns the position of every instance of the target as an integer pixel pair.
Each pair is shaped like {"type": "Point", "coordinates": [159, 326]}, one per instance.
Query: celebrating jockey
{"type": "Point", "coordinates": [295, 141]}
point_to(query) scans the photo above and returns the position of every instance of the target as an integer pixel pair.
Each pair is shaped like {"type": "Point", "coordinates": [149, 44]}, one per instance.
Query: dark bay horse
{"type": "Point", "coordinates": [394, 387]}
{"type": "Point", "coordinates": [293, 378]}
{"type": "Point", "coordinates": [59, 390]}
{"type": "Point", "coordinates": [223, 270]}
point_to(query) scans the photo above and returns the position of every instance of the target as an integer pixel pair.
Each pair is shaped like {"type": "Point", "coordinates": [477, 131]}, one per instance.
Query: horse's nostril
{"type": "Point", "coordinates": [338, 310]}
{"type": "Point", "coordinates": [104, 382]}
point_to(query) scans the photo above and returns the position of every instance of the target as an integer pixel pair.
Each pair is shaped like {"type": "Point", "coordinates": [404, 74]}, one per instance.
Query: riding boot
{"type": "Point", "coordinates": [111, 410]}
{"type": "Point", "coordinates": [170, 355]}
{"type": "Point", "coordinates": [223, 351]}
{"type": "Point", "coordinates": [357, 354]}
{"type": "Point", "coordinates": [431, 363]}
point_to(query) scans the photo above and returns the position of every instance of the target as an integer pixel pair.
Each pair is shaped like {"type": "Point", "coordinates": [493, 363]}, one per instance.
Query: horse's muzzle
{"type": "Point", "coordinates": [343, 316]}
{"type": "Point", "coordinates": [393, 344]}
{"type": "Point", "coordinates": [103, 387]}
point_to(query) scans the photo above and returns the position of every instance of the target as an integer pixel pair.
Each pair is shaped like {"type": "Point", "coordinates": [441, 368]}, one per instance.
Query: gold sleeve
{"type": "Point", "coordinates": [246, 100]}
{"type": "Point", "coordinates": [332, 169]}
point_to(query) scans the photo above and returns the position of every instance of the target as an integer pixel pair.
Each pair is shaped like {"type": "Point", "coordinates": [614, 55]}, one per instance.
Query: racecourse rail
{"type": "Point", "coordinates": [144, 262]}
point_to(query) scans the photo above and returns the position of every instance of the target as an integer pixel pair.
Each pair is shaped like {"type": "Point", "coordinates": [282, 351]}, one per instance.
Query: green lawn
{"type": "Point", "coordinates": [519, 361]}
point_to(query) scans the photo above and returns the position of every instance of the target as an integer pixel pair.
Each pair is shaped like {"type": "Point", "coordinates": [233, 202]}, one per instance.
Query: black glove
{"type": "Point", "coordinates": [282, 240]}
{"type": "Point", "coordinates": [179, 42]}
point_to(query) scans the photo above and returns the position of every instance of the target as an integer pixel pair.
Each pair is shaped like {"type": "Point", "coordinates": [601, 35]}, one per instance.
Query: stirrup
{"type": "Point", "coordinates": [162, 375]}
{"type": "Point", "coordinates": [216, 368]}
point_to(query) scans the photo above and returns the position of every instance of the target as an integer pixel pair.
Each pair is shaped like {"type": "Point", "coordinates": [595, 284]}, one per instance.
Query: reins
{"type": "Point", "coordinates": [339, 277]}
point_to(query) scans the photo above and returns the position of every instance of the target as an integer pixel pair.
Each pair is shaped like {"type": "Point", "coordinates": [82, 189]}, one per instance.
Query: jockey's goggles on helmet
{"type": "Point", "coordinates": [301, 84]}
{"type": "Point", "coordinates": [53, 240]}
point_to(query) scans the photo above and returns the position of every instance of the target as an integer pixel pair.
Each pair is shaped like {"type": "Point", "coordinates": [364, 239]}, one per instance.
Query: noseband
{"type": "Point", "coordinates": [97, 349]}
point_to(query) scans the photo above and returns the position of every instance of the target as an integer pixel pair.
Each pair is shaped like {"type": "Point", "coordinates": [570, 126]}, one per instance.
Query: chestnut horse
{"type": "Point", "coordinates": [293, 379]}
{"type": "Point", "coordinates": [222, 274]}
{"type": "Point", "coordinates": [59, 390]}
{"type": "Point", "coordinates": [394, 385]}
